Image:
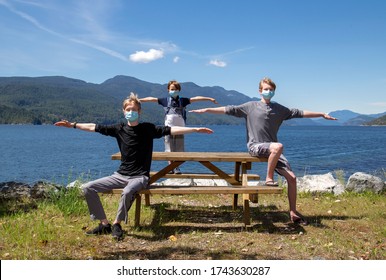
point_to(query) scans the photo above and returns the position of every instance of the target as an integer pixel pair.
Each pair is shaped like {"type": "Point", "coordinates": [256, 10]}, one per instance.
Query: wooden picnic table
{"type": "Point", "coordinates": [238, 180]}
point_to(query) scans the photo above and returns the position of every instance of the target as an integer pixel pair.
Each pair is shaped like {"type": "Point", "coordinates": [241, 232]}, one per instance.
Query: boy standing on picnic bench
{"type": "Point", "coordinates": [175, 115]}
{"type": "Point", "coordinates": [135, 141]}
{"type": "Point", "coordinates": [263, 120]}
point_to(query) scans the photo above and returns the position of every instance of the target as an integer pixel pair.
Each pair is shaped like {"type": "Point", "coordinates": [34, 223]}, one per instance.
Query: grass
{"type": "Point", "coordinates": [347, 227]}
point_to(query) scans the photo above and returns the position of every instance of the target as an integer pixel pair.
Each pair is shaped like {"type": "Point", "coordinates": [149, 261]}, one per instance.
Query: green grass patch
{"type": "Point", "coordinates": [349, 226]}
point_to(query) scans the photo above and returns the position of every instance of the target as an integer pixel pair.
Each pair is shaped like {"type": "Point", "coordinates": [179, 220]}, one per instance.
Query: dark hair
{"type": "Point", "coordinates": [176, 84]}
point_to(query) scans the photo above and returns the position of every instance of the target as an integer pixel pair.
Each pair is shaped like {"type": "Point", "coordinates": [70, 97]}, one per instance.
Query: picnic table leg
{"type": "Point", "coordinates": [247, 216]}
{"type": "Point", "coordinates": [247, 166]}
{"type": "Point", "coordinates": [147, 199]}
{"type": "Point", "coordinates": [237, 177]}
{"type": "Point", "coordinates": [235, 198]}
{"type": "Point", "coordinates": [137, 210]}
{"type": "Point", "coordinates": [244, 177]}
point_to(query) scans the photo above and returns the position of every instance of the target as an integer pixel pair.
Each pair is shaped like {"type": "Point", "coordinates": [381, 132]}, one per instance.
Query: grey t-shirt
{"type": "Point", "coordinates": [263, 120]}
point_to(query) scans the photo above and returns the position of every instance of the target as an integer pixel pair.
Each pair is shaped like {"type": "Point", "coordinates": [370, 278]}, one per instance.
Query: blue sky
{"type": "Point", "coordinates": [323, 55]}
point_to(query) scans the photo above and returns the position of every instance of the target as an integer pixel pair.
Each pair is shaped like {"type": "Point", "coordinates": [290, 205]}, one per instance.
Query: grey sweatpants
{"type": "Point", "coordinates": [130, 185]}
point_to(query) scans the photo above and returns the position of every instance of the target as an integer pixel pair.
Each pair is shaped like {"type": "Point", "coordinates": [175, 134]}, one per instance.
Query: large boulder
{"type": "Point", "coordinates": [14, 191]}
{"type": "Point", "coordinates": [19, 191]}
{"type": "Point", "coordinates": [360, 182]}
{"type": "Point", "coordinates": [43, 189]}
{"type": "Point", "coordinates": [325, 183]}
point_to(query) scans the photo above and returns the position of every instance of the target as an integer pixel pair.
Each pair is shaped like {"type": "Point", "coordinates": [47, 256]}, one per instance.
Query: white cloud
{"type": "Point", "coordinates": [218, 63]}
{"type": "Point", "coordinates": [176, 59]}
{"type": "Point", "coordinates": [146, 57]}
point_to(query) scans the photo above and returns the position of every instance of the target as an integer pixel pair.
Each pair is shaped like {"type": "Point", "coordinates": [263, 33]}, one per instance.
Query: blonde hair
{"type": "Point", "coordinates": [132, 99]}
{"type": "Point", "coordinates": [176, 84]}
{"type": "Point", "coordinates": [267, 81]}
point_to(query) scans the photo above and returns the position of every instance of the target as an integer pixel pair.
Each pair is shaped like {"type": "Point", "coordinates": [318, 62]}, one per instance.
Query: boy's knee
{"type": "Point", "coordinates": [128, 193]}
{"type": "Point", "coordinates": [276, 148]}
{"type": "Point", "coordinates": [291, 179]}
{"type": "Point", "coordinates": [85, 189]}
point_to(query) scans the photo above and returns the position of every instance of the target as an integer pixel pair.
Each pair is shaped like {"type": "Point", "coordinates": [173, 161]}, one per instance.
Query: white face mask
{"type": "Point", "coordinates": [268, 94]}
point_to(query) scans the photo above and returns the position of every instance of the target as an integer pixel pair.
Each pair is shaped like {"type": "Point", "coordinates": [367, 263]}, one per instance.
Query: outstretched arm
{"type": "Point", "coordinates": [216, 110]}
{"type": "Point", "coordinates": [203, 98]}
{"type": "Point", "coordinates": [176, 130]}
{"type": "Point", "coordinates": [82, 126]}
{"type": "Point", "coordinates": [308, 114]}
{"type": "Point", "coordinates": [148, 99]}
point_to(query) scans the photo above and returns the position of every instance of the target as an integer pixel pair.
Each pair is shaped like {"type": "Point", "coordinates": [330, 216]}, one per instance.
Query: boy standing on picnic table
{"type": "Point", "coordinates": [175, 115]}
{"type": "Point", "coordinates": [135, 142]}
{"type": "Point", "coordinates": [263, 120]}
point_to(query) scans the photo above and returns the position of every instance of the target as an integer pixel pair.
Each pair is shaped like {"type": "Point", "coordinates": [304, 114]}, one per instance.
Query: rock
{"type": "Point", "coordinates": [43, 189]}
{"type": "Point", "coordinates": [14, 190]}
{"type": "Point", "coordinates": [325, 183]}
{"type": "Point", "coordinates": [177, 182]}
{"type": "Point", "coordinates": [75, 184]}
{"type": "Point", "coordinates": [360, 182]}
{"type": "Point", "coordinates": [204, 182]}
{"type": "Point", "coordinates": [194, 182]}
{"type": "Point", "coordinates": [220, 182]}
{"type": "Point", "coordinates": [19, 191]}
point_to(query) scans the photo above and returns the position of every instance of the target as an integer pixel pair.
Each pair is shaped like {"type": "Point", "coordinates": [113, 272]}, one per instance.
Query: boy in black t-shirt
{"type": "Point", "coordinates": [135, 142]}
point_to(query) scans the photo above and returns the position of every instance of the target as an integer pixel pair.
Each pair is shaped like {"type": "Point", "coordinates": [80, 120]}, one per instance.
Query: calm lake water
{"type": "Point", "coordinates": [32, 153]}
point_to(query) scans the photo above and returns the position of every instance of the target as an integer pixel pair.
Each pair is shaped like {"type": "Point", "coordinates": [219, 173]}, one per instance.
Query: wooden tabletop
{"type": "Point", "coordinates": [201, 156]}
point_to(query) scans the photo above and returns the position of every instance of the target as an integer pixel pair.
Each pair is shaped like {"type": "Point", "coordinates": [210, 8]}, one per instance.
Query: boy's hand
{"type": "Point", "coordinates": [204, 130]}
{"type": "Point", "coordinates": [64, 123]}
{"type": "Point", "coordinates": [328, 117]}
{"type": "Point", "coordinates": [199, 111]}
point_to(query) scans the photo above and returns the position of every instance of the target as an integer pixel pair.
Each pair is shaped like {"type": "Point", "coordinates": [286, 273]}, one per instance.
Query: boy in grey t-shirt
{"type": "Point", "coordinates": [263, 120]}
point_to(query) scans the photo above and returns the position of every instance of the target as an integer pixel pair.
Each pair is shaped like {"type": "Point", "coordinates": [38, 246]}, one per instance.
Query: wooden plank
{"type": "Point", "coordinates": [201, 156]}
{"type": "Point", "coordinates": [196, 190]}
{"type": "Point", "coordinates": [203, 176]}
{"type": "Point", "coordinates": [160, 174]}
{"type": "Point", "coordinates": [116, 156]}
{"type": "Point", "coordinates": [220, 173]}
{"type": "Point", "coordinates": [207, 190]}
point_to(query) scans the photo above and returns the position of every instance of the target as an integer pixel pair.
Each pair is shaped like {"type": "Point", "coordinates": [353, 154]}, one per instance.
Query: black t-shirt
{"type": "Point", "coordinates": [135, 144]}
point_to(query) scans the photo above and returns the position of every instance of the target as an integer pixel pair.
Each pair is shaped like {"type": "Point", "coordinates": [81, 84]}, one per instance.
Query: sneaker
{"type": "Point", "coordinates": [177, 170]}
{"type": "Point", "coordinates": [100, 229]}
{"type": "Point", "coordinates": [117, 231]}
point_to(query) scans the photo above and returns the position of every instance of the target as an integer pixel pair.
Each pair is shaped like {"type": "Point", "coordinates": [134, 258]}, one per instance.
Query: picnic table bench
{"type": "Point", "coordinates": [238, 181]}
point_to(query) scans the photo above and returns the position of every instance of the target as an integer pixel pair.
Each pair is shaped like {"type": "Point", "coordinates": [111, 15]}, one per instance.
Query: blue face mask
{"type": "Point", "coordinates": [173, 93]}
{"type": "Point", "coordinates": [268, 94]}
{"type": "Point", "coordinates": [131, 116]}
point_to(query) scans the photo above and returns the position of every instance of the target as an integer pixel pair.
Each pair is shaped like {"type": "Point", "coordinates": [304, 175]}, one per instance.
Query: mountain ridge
{"type": "Point", "coordinates": [47, 99]}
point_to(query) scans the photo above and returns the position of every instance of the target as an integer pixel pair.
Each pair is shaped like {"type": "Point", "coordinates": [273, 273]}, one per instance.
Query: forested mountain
{"type": "Point", "coordinates": [49, 99]}
{"type": "Point", "coordinates": [377, 121]}
{"type": "Point", "coordinates": [45, 100]}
